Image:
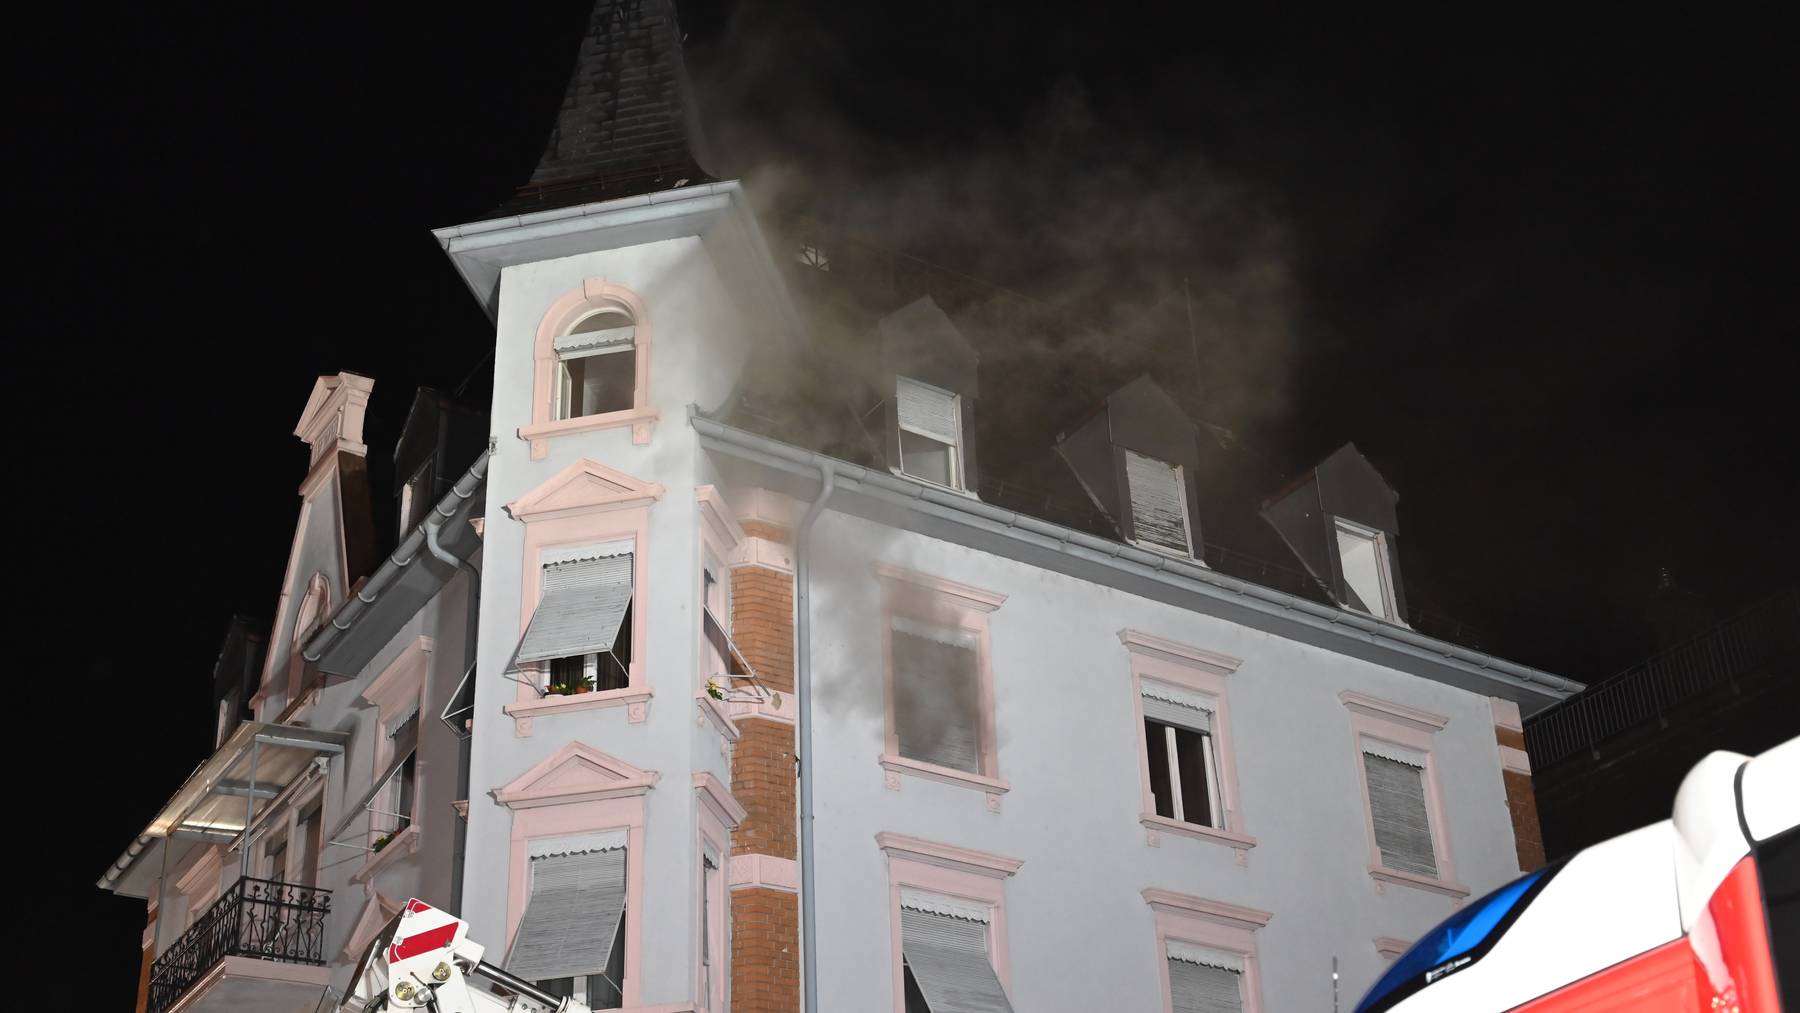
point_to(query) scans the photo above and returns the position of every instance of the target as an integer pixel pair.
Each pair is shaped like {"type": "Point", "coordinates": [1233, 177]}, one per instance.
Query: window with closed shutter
{"type": "Point", "coordinates": [1158, 503]}
{"type": "Point", "coordinates": [937, 694]}
{"type": "Point", "coordinates": [1202, 980]}
{"type": "Point", "coordinates": [930, 432]}
{"type": "Point", "coordinates": [1396, 779]}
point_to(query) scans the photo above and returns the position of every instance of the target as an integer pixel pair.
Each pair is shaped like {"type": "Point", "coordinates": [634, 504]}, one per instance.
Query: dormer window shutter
{"type": "Point", "coordinates": [1158, 503]}
{"type": "Point", "coordinates": [930, 432]}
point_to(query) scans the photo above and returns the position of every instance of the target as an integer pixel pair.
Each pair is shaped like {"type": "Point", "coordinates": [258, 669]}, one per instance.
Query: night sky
{"type": "Point", "coordinates": [1537, 270]}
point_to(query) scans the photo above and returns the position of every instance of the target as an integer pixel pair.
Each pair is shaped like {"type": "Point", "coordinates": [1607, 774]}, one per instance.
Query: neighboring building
{"type": "Point", "coordinates": [1048, 717]}
{"type": "Point", "coordinates": [1609, 759]}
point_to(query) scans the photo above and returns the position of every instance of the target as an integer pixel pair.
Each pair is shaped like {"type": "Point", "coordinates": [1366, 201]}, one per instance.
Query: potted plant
{"type": "Point", "coordinates": [381, 842]}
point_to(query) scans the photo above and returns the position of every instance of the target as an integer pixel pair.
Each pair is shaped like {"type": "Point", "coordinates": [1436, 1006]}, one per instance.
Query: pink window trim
{"type": "Point", "coordinates": [398, 689]}
{"type": "Point", "coordinates": [315, 607]}
{"type": "Point", "coordinates": [578, 790]}
{"type": "Point", "coordinates": [964, 873]}
{"type": "Point", "coordinates": [564, 312]}
{"type": "Point", "coordinates": [720, 536]}
{"type": "Point", "coordinates": [940, 602]}
{"type": "Point", "coordinates": [718, 813]}
{"type": "Point", "coordinates": [1390, 948]}
{"type": "Point", "coordinates": [586, 503]}
{"type": "Point", "coordinates": [1414, 729]}
{"type": "Point", "coordinates": [1212, 924]}
{"type": "Point", "coordinates": [1203, 672]}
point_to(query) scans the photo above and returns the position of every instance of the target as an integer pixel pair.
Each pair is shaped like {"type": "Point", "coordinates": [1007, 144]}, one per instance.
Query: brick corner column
{"type": "Point", "coordinates": [765, 903]}
{"type": "Point", "coordinates": [1521, 799]}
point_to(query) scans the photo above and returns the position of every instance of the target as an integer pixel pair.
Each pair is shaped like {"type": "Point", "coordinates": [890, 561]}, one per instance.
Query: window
{"type": "Point", "coordinates": [1363, 556]}
{"type": "Point", "coordinates": [581, 631]}
{"type": "Point", "coordinates": [1183, 715]}
{"type": "Point", "coordinates": [944, 954]}
{"type": "Point", "coordinates": [1208, 953]}
{"type": "Point", "coordinates": [1158, 496]}
{"type": "Point", "coordinates": [1178, 748]}
{"type": "Point", "coordinates": [403, 782]}
{"type": "Point", "coordinates": [311, 828]}
{"type": "Point", "coordinates": [571, 938]}
{"type": "Point", "coordinates": [712, 931]}
{"type": "Point", "coordinates": [597, 365]}
{"type": "Point", "coordinates": [1403, 807]}
{"type": "Point", "coordinates": [930, 433]}
{"type": "Point", "coordinates": [1396, 781]}
{"type": "Point", "coordinates": [274, 862]}
{"type": "Point", "coordinates": [1203, 980]}
{"type": "Point", "coordinates": [937, 694]}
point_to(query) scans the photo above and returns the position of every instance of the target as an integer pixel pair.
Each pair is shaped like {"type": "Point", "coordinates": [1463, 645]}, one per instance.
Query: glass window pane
{"type": "Point", "coordinates": [1357, 554]}
{"type": "Point", "coordinates": [1189, 746]}
{"type": "Point", "coordinates": [598, 384]}
{"type": "Point", "coordinates": [926, 458]}
{"type": "Point", "coordinates": [1156, 748]}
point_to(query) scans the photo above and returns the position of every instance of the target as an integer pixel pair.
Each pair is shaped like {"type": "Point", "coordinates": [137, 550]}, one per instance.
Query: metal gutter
{"type": "Point", "coordinates": [415, 542]}
{"type": "Point", "coordinates": [809, 964]}
{"type": "Point", "coordinates": [1129, 560]}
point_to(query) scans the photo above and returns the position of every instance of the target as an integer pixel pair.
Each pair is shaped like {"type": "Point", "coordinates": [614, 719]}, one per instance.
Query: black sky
{"type": "Point", "coordinates": [1540, 275]}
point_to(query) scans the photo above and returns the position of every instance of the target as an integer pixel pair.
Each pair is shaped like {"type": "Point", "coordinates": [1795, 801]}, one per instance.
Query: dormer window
{"type": "Point", "coordinates": [930, 433]}
{"type": "Point", "coordinates": [1158, 504]}
{"type": "Point", "coordinates": [597, 365]}
{"type": "Point", "coordinates": [1363, 555]}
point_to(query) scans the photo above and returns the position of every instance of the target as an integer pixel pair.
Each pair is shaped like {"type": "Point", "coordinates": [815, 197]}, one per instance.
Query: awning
{"type": "Point", "coordinates": [576, 909]}
{"type": "Point", "coordinates": [238, 782]}
{"type": "Point", "coordinates": [949, 960]}
{"type": "Point", "coordinates": [582, 609]}
{"type": "Point", "coordinates": [406, 740]}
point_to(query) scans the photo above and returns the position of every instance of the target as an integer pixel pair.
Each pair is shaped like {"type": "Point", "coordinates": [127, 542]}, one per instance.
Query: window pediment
{"type": "Point", "coordinates": [583, 487]}
{"type": "Point", "coordinates": [575, 773]}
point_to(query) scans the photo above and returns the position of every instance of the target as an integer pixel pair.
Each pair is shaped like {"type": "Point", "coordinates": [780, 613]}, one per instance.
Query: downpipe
{"type": "Point", "coordinates": [809, 964]}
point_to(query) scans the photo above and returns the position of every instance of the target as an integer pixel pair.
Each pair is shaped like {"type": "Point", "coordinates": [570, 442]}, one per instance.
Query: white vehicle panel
{"type": "Point", "coordinates": [1772, 791]}
{"type": "Point", "coordinates": [1608, 904]}
{"type": "Point", "coordinates": [1708, 837]}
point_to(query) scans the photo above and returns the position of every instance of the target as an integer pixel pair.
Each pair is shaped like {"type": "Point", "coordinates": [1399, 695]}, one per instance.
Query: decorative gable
{"type": "Point", "coordinates": [575, 773]}
{"type": "Point", "coordinates": [584, 487]}
{"type": "Point", "coordinates": [333, 416]}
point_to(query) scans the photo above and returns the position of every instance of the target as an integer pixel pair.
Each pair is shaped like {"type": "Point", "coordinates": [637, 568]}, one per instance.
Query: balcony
{"type": "Point", "coordinates": [261, 946]}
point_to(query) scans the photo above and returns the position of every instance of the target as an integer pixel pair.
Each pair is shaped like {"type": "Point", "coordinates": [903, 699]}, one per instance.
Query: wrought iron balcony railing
{"type": "Point", "coordinates": [259, 918]}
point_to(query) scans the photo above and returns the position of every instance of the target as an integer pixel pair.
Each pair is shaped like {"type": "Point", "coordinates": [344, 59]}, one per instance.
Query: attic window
{"type": "Point", "coordinates": [812, 256]}
{"type": "Point", "coordinates": [597, 365]}
{"type": "Point", "coordinates": [930, 433]}
{"type": "Point", "coordinates": [1158, 504]}
{"type": "Point", "coordinates": [1363, 556]}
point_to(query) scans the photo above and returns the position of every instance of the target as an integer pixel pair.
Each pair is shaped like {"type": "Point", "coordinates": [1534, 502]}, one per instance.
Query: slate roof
{"type": "Point", "coordinates": [627, 122]}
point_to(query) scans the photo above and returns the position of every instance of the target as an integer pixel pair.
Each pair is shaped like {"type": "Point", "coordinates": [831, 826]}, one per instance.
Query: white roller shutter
{"type": "Point", "coordinates": [949, 960]}
{"type": "Point", "coordinates": [576, 908]}
{"type": "Point", "coordinates": [1158, 502]}
{"type": "Point", "coordinates": [1397, 807]}
{"type": "Point", "coordinates": [582, 608]}
{"type": "Point", "coordinates": [1173, 705]}
{"type": "Point", "coordinates": [1202, 986]}
{"type": "Point", "coordinates": [928, 411]}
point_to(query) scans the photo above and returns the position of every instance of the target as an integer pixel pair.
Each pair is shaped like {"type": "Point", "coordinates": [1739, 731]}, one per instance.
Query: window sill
{"type": "Point", "coordinates": [896, 765]}
{"type": "Point", "coordinates": [406, 840]}
{"type": "Point", "coordinates": [720, 716]}
{"type": "Point", "coordinates": [641, 420]}
{"type": "Point", "coordinates": [929, 484]}
{"type": "Point", "coordinates": [1229, 838]}
{"type": "Point", "coordinates": [1383, 875]}
{"type": "Point", "coordinates": [636, 702]}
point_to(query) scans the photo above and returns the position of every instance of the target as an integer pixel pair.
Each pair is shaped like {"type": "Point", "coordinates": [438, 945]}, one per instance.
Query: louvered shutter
{"type": "Point", "coordinates": [582, 608]}
{"type": "Point", "coordinates": [1175, 706]}
{"type": "Point", "coordinates": [937, 695]}
{"type": "Point", "coordinates": [576, 908]}
{"type": "Point", "coordinates": [949, 960]}
{"type": "Point", "coordinates": [1204, 987]}
{"type": "Point", "coordinates": [1158, 503]}
{"type": "Point", "coordinates": [928, 411]}
{"type": "Point", "coordinates": [1397, 806]}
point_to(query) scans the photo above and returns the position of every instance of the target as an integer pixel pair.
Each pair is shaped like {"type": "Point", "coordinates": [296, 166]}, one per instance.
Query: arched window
{"type": "Point", "coordinates": [596, 364]}
{"type": "Point", "coordinates": [592, 366]}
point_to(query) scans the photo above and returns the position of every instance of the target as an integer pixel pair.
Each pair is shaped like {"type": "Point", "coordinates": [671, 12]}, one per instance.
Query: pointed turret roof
{"type": "Point", "coordinates": [627, 123]}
